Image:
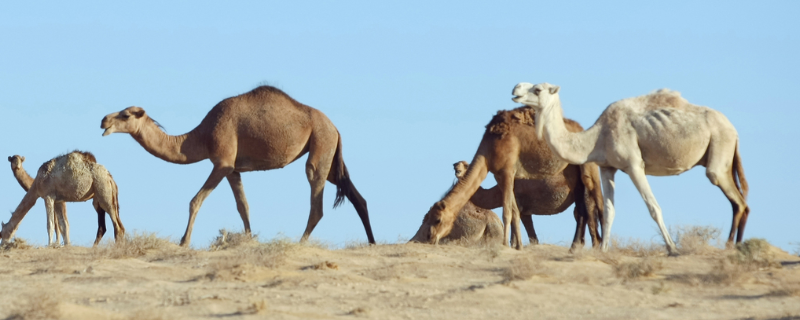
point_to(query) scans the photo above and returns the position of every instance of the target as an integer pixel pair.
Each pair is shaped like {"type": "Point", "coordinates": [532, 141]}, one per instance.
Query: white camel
{"type": "Point", "coordinates": [658, 134]}
{"type": "Point", "coordinates": [73, 177]}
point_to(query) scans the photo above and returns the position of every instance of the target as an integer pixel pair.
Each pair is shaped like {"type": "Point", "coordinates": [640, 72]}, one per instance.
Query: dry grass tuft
{"type": "Point", "coordinates": [633, 247]}
{"type": "Point", "coordinates": [257, 307]}
{"type": "Point", "coordinates": [524, 268]}
{"type": "Point", "coordinates": [325, 265]}
{"type": "Point", "coordinates": [42, 305]}
{"type": "Point", "coordinates": [133, 245]}
{"type": "Point", "coordinates": [16, 243]}
{"type": "Point", "coordinates": [737, 267]}
{"type": "Point", "coordinates": [227, 240]}
{"type": "Point", "coordinates": [358, 312]}
{"type": "Point", "coordinates": [695, 239]}
{"type": "Point", "coordinates": [270, 254]}
{"type": "Point", "coordinates": [634, 270]}
{"type": "Point", "coordinates": [754, 254]}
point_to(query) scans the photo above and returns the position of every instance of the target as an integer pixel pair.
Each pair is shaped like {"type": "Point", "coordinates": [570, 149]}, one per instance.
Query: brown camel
{"type": "Point", "coordinates": [260, 130]}
{"type": "Point", "coordinates": [548, 196]}
{"type": "Point", "coordinates": [510, 150]}
{"type": "Point", "coordinates": [73, 177]}
{"type": "Point", "coordinates": [25, 181]}
{"type": "Point", "coordinates": [473, 223]}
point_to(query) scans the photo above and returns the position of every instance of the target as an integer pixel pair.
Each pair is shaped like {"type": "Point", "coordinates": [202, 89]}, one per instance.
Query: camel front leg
{"type": "Point", "coordinates": [317, 175]}
{"type": "Point", "coordinates": [510, 211]}
{"type": "Point", "coordinates": [63, 223]}
{"type": "Point", "coordinates": [527, 222]}
{"type": "Point", "coordinates": [640, 181]}
{"type": "Point", "coordinates": [213, 180]}
{"type": "Point", "coordinates": [49, 204]}
{"type": "Point", "coordinates": [235, 180]}
{"type": "Point", "coordinates": [10, 228]}
{"type": "Point", "coordinates": [607, 178]}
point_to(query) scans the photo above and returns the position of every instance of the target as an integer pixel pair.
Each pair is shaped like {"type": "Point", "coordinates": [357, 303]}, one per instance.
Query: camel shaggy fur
{"type": "Point", "coordinates": [473, 223]}
{"type": "Point", "coordinates": [658, 134]}
{"type": "Point", "coordinates": [510, 150]}
{"type": "Point", "coordinates": [73, 177]}
{"type": "Point", "coordinates": [262, 129]}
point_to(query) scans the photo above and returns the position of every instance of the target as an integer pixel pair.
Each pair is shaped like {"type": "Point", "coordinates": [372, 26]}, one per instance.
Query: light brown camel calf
{"type": "Point", "coordinates": [510, 150]}
{"type": "Point", "coordinates": [73, 177]}
{"type": "Point", "coordinates": [262, 129]}
{"type": "Point", "coordinates": [548, 196]}
{"type": "Point", "coordinates": [473, 223]}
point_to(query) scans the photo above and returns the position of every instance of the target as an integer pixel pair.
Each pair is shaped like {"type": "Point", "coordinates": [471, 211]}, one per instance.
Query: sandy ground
{"type": "Point", "coordinates": [285, 280]}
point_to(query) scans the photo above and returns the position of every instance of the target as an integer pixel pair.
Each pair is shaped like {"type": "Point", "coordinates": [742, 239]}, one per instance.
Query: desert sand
{"type": "Point", "coordinates": [151, 278]}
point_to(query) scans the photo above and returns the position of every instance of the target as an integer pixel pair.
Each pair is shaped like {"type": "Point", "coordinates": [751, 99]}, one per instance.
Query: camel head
{"type": "Point", "coordinates": [440, 220]}
{"type": "Point", "coordinates": [129, 120]}
{"type": "Point", "coordinates": [537, 96]}
{"type": "Point", "coordinates": [460, 168]}
{"type": "Point", "coordinates": [16, 162]}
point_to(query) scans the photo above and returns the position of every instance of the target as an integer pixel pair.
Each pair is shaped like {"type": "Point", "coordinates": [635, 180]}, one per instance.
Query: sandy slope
{"type": "Point", "coordinates": [403, 281]}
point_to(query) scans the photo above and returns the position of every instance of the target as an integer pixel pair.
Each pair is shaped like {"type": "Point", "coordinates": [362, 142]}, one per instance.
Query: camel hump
{"type": "Point", "coordinates": [502, 121]}
{"type": "Point", "coordinates": [87, 156]}
{"type": "Point", "coordinates": [665, 98]}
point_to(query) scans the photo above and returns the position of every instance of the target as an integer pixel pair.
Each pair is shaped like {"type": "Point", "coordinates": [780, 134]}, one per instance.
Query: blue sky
{"type": "Point", "coordinates": [410, 86]}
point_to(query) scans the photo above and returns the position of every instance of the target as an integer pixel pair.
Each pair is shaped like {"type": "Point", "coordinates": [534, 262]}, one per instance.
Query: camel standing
{"type": "Point", "coordinates": [25, 181]}
{"type": "Point", "coordinates": [658, 134]}
{"type": "Point", "coordinates": [73, 177]}
{"type": "Point", "coordinates": [510, 151]}
{"type": "Point", "coordinates": [260, 130]}
{"type": "Point", "coordinates": [473, 223]}
{"type": "Point", "coordinates": [548, 196]}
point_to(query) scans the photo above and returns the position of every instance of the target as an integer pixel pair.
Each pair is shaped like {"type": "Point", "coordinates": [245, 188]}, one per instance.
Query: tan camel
{"type": "Point", "coordinates": [260, 130]}
{"type": "Point", "coordinates": [25, 181]}
{"type": "Point", "coordinates": [73, 177]}
{"type": "Point", "coordinates": [473, 223]}
{"type": "Point", "coordinates": [510, 151]}
{"type": "Point", "coordinates": [658, 134]}
{"type": "Point", "coordinates": [548, 196]}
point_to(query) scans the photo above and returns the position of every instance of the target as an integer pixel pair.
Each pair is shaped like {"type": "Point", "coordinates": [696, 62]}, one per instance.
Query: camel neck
{"type": "Point", "coordinates": [573, 147]}
{"type": "Point", "coordinates": [466, 186]}
{"type": "Point", "coordinates": [183, 149]}
{"type": "Point", "coordinates": [23, 178]}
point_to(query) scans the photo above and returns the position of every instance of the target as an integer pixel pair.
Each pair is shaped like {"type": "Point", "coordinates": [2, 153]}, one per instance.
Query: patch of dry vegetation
{"type": "Point", "coordinates": [695, 239]}
{"type": "Point", "coordinates": [135, 244]}
{"type": "Point", "coordinates": [39, 306]}
{"type": "Point", "coordinates": [633, 247]}
{"type": "Point", "coordinates": [227, 240]}
{"type": "Point", "coordinates": [524, 268]}
{"type": "Point", "coordinates": [645, 267]}
{"type": "Point", "coordinates": [257, 307]}
{"type": "Point", "coordinates": [737, 266]}
{"type": "Point", "coordinates": [15, 244]}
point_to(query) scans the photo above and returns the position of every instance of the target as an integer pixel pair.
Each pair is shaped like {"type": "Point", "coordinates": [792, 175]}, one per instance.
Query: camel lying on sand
{"type": "Point", "coordinates": [73, 177]}
{"type": "Point", "coordinates": [658, 134]}
{"type": "Point", "coordinates": [509, 149]}
{"type": "Point", "coordinates": [473, 224]}
{"type": "Point", "coordinates": [262, 129]}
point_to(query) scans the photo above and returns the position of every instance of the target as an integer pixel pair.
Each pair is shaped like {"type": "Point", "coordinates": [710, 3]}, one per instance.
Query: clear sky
{"type": "Point", "coordinates": [410, 86]}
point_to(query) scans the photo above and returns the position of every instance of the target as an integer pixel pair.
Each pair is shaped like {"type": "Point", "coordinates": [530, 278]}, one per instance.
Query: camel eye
{"type": "Point", "coordinates": [437, 221]}
{"type": "Point", "coordinates": [125, 116]}
{"type": "Point", "coordinates": [536, 91]}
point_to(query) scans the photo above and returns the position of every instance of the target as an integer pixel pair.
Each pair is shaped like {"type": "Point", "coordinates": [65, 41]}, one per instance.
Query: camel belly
{"type": "Point", "coordinates": [671, 141]}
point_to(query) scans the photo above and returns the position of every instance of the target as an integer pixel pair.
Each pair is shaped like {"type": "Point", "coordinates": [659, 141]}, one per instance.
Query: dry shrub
{"type": "Point", "coordinates": [524, 268]}
{"type": "Point", "coordinates": [41, 305]}
{"type": "Point", "coordinates": [226, 240]}
{"type": "Point", "coordinates": [359, 312]}
{"type": "Point", "coordinates": [491, 251]}
{"type": "Point", "coordinates": [634, 270]}
{"type": "Point", "coordinates": [16, 243]}
{"type": "Point", "coordinates": [270, 254]}
{"type": "Point", "coordinates": [353, 245]}
{"type": "Point", "coordinates": [133, 245]}
{"type": "Point", "coordinates": [610, 257]}
{"type": "Point", "coordinates": [754, 254]}
{"type": "Point", "coordinates": [695, 239]}
{"type": "Point", "coordinates": [636, 248]}
{"type": "Point", "coordinates": [257, 307]}
{"type": "Point", "coordinates": [325, 265]}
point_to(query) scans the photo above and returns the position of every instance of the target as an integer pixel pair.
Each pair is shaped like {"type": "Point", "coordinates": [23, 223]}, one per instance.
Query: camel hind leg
{"type": "Point", "coordinates": [101, 222]}
{"type": "Point", "coordinates": [235, 180]}
{"type": "Point", "coordinates": [321, 151]}
{"type": "Point", "coordinates": [339, 176]}
{"type": "Point", "coordinates": [106, 198]}
{"type": "Point", "coordinates": [720, 172]}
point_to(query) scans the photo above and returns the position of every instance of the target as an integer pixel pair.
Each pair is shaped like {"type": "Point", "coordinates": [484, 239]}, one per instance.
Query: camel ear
{"type": "Point", "coordinates": [22, 159]}
{"type": "Point", "coordinates": [439, 206]}
{"type": "Point", "coordinates": [9, 159]}
{"type": "Point", "coordinates": [554, 89]}
{"type": "Point", "coordinates": [138, 113]}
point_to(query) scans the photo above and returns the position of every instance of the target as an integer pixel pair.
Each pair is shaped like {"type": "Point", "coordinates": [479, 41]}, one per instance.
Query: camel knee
{"type": "Point", "coordinates": [713, 177]}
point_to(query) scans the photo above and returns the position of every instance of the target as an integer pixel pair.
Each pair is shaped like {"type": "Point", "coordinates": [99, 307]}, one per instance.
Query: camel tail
{"type": "Point", "coordinates": [738, 171]}
{"type": "Point", "coordinates": [345, 188]}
